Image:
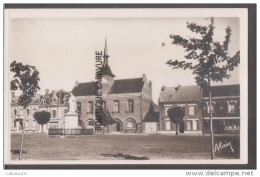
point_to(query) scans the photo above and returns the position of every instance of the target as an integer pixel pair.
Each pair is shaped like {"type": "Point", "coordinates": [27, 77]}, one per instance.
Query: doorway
{"type": "Point", "coordinates": [118, 126]}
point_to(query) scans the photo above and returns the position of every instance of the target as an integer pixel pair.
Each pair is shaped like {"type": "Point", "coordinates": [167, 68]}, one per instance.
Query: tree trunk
{"type": "Point", "coordinates": [211, 124]}
{"type": "Point", "coordinates": [202, 111]}
{"type": "Point", "coordinates": [21, 147]}
{"type": "Point", "coordinates": [42, 128]}
{"type": "Point", "coordinates": [177, 131]}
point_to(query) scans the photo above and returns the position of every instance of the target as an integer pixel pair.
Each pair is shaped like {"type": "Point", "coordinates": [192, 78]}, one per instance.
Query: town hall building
{"type": "Point", "coordinates": [127, 100]}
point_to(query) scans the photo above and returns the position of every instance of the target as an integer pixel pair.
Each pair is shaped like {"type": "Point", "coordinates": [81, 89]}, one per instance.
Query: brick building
{"type": "Point", "coordinates": [184, 96]}
{"type": "Point", "coordinates": [127, 100]}
{"type": "Point", "coordinates": [54, 102]}
{"type": "Point", "coordinates": [225, 107]}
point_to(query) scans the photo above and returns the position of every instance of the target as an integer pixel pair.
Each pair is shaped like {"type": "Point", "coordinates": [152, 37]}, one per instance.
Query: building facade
{"type": "Point", "coordinates": [54, 102]}
{"type": "Point", "coordinates": [225, 108]}
{"type": "Point", "coordinates": [127, 100]}
{"type": "Point", "coordinates": [187, 97]}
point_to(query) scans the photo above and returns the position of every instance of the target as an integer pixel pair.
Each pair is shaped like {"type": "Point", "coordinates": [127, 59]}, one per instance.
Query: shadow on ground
{"type": "Point", "coordinates": [128, 157]}
{"type": "Point", "coordinates": [16, 151]}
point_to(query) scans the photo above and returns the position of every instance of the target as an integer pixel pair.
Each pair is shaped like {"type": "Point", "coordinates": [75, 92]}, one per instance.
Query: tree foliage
{"type": "Point", "coordinates": [42, 117]}
{"type": "Point", "coordinates": [176, 114]}
{"type": "Point", "coordinates": [104, 117]}
{"type": "Point", "coordinates": [26, 79]}
{"type": "Point", "coordinates": [208, 59]}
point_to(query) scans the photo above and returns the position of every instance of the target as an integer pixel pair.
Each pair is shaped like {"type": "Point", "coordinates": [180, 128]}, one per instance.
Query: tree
{"type": "Point", "coordinates": [42, 117]}
{"type": "Point", "coordinates": [176, 115]}
{"type": "Point", "coordinates": [26, 79]}
{"type": "Point", "coordinates": [104, 118]}
{"type": "Point", "coordinates": [210, 59]}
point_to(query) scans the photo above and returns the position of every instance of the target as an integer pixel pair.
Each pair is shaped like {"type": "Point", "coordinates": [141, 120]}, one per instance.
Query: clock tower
{"type": "Point", "coordinates": [107, 75]}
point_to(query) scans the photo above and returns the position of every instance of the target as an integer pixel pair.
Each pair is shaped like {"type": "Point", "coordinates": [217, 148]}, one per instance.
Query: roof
{"type": "Point", "coordinates": [105, 70]}
{"type": "Point", "coordinates": [119, 86]}
{"type": "Point", "coordinates": [127, 86]}
{"type": "Point", "coordinates": [153, 113]}
{"type": "Point", "coordinates": [84, 89]}
{"type": "Point", "coordinates": [58, 95]}
{"type": "Point", "coordinates": [223, 90]}
{"type": "Point", "coordinates": [180, 93]}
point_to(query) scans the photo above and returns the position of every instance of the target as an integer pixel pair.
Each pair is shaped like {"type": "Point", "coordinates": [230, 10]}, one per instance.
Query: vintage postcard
{"type": "Point", "coordinates": [126, 86]}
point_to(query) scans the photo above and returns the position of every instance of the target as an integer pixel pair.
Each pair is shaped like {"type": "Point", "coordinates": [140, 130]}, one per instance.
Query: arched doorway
{"type": "Point", "coordinates": [90, 123]}
{"type": "Point", "coordinates": [118, 127]}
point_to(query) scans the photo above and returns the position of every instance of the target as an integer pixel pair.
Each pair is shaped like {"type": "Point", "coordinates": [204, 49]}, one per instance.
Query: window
{"type": "Point", "coordinates": [14, 124]}
{"type": "Point", "coordinates": [79, 106]}
{"type": "Point", "coordinates": [168, 125]}
{"type": "Point", "coordinates": [195, 125]}
{"type": "Point", "coordinates": [192, 125]}
{"type": "Point", "coordinates": [90, 107]}
{"type": "Point", "coordinates": [191, 110]}
{"type": "Point", "coordinates": [26, 123]}
{"type": "Point", "coordinates": [166, 109]}
{"type": "Point", "coordinates": [27, 112]}
{"type": "Point", "coordinates": [232, 124]}
{"type": "Point", "coordinates": [34, 110]}
{"type": "Point", "coordinates": [232, 106]}
{"type": "Point", "coordinates": [212, 107]}
{"type": "Point", "coordinates": [116, 106]}
{"type": "Point", "coordinates": [53, 113]}
{"type": "Point", "coordinates": [15, 112]}
{"type": "Point", "coordinates": [189, 124]}
{"type": "Point", "coordinates": [90, 123]}
{"type": "Point", "coordinates": [130, 124]}
{"type": "Point", "coordinates": [33, 124]}
{"type": "Point", "coordinates": [21, 112]}
{"type": "Point", "coordinates": [130, 106]}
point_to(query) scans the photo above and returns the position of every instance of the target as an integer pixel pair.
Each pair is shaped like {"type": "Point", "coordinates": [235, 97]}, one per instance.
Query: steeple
{"type": "Point", "coordinates": [106, 56]}
{"type": "Point", "coordinates": [105, 68]}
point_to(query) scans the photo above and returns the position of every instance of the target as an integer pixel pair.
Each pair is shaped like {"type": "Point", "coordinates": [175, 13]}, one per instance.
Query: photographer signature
{"type": "Point", "coordinates": [219, 146]}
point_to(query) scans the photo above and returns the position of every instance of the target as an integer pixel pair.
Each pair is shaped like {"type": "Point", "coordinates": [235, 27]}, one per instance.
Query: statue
{"type": "Point", "coordinates": [72, 103]}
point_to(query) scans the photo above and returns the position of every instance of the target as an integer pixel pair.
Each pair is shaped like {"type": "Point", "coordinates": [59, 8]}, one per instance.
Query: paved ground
{"type": "Point", "coordinates": [118, 147]}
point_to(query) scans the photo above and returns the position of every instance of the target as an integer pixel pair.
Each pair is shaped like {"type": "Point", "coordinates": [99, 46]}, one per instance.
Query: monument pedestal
{"type": "Point", "coordinates": [71, 120]}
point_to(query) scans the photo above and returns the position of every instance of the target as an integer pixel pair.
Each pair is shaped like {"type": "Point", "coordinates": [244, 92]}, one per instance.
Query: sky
{"type": "Point", "coordinates": [63, 50]}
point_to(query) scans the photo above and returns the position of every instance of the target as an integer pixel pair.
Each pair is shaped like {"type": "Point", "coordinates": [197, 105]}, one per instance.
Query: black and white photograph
{"type": "Point", "coordinates": [126, 86]}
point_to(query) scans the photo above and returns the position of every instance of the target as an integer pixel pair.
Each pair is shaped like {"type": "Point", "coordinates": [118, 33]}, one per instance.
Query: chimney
{"type": "Point", "coordinates": [76, 83]}
{"type": "Point", "coordinates": [163, 88]}
{"type": "Point", "coordinates": [47, 91]}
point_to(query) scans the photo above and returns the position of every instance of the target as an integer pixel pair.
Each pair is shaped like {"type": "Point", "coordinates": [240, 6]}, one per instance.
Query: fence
{"type": "Point", "coordinates": [62, 131]}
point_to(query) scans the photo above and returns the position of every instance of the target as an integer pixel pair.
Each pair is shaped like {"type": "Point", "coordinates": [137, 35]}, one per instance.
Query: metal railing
{"type": "Point", "coordinates": [62, 131]}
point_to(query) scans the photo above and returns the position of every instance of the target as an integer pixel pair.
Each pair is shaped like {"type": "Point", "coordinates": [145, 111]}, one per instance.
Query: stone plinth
{"type": "Point", "coordinates": [71, 120]}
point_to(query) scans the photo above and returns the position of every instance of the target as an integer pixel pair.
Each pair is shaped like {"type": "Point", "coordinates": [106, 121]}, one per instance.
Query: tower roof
{"type": "Point", "coordinates": [105, 70]}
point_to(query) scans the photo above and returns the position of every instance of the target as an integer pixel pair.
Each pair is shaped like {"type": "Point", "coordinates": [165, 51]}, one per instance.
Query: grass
{"type": "Point", "coordinates": [119, 147]}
